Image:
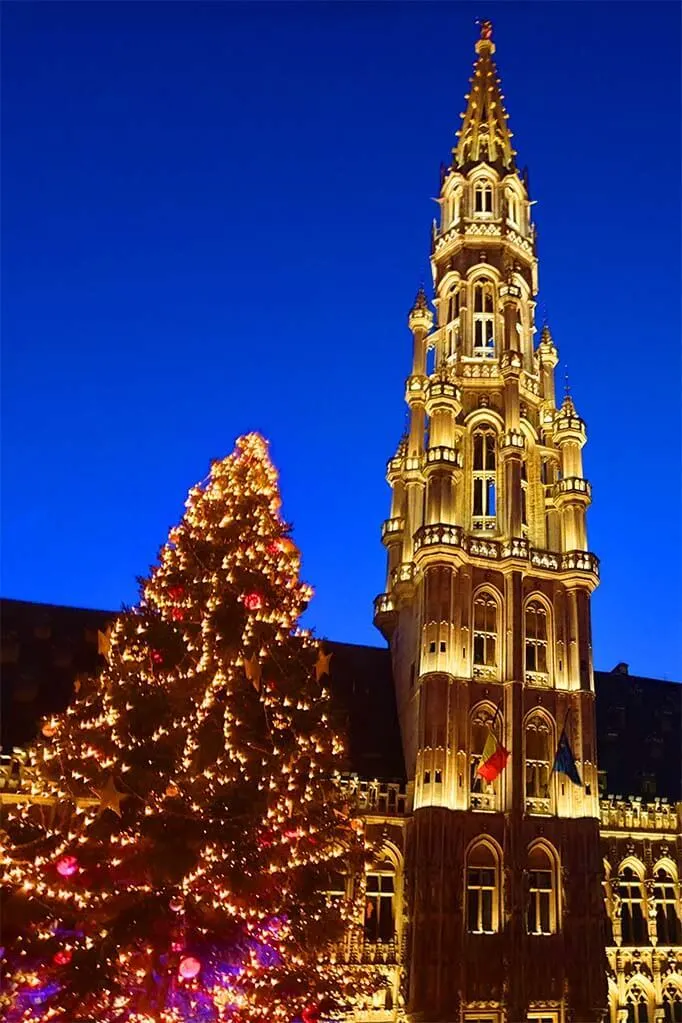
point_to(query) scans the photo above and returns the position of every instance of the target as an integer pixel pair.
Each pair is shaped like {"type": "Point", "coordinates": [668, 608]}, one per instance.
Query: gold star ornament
{"type": "Point", "coordinates": [322, 664]}
{"type": "Point", "coordinates": [253, 671]}
{"type": "Point", "coordinates": [110, 798]}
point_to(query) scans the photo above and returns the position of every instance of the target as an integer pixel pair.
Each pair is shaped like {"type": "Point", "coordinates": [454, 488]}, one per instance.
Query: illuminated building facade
{"type": "Point", "coordinates": [529, 898]}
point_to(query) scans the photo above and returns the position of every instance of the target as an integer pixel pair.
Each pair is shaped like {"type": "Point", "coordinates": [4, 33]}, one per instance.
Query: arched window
{"type": "Point", "coordinates": [486, 649]}
{"type": "Point", "coordinates": [524, 498]}
{"type": "Point", "coordinates": [483, 889]}
{"type": "Point", "coordinates": [455, 205]}
{"type": "Point", "coordinates": [539, 753]}
{"type": "Point", "coordinates": [667, 920]}
{"type": "Point", "coordinates": [484, 477]}
{"type": "Point", "coordinates": [536, 643]}
{"type": "Point", "coordinates": [483, 793]}
{"type": "Point", "coordinates": [672, 1004]}
{"type": "Point", "coordinates": [452, 322]}
{"type": "Point", "coordinates": [633, 929]}
{"type": "Point", "coordinates": [380, 905]}
{"type": "Point", "coordinates": [637, 1004]}
{"type": "Point", "coordinates": [513, 209]}
{"type": "Point", "coordinates": [543, 910]}
{"type": "Point", "coordinates": [483, 197]}
{"type": "Point", "coordinates": [484, 318]}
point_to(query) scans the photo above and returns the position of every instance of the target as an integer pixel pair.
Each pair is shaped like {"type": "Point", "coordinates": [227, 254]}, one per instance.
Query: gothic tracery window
{"type": "Point", "coordinates": [380, 907]}
{"type": "Point", "coordinates": [483, 197]}
{"type": "Point", "coordinates": [483, 883]}
{"type": "Point", "coordinates": [452, 322]}
{"type": "Point", "coordinates": [672, 1004]}
{"type": "Point", "coordinates": [542, 912]}
{"type": "Point", "coordinates": [484, 318]}
{"type": "Point", "coordinates": [633, 927]}
{"type": "Point", "coordinates": [485, 635]}
{"type": "Point", "coordinates": [538, 759]}
{"type": "Point", "coordinates": [484, 477]}
{"type": "Point", "coordinates": [667, 919]}
{"type": "Point", "coordinates": [536, 642]}
{"type": "Point", "coordinates": [637, 1004]}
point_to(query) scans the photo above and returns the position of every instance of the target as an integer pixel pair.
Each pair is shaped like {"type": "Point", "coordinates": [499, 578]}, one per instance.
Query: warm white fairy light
{"type": "Point", "coordinates": [199, 763]}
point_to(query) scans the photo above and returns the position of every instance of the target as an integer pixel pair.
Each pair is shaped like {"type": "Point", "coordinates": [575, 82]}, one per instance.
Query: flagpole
{"type": "Point", "coordinates": [558, 742]}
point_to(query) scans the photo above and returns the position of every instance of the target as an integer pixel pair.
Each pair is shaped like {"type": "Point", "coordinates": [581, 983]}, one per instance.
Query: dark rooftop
{"type": "Point", "coordinates": [639, 720]}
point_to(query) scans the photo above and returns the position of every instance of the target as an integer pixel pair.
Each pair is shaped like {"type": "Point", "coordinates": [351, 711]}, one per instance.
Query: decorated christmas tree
{"type": "Point", "coordinates": [184, 826]}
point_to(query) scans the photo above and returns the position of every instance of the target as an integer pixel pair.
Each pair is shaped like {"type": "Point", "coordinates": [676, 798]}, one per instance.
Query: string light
{"type": "Point", "coordinates": [196, 800]}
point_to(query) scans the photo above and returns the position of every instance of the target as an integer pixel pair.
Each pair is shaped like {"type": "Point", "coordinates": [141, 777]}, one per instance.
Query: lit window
{"type": "Point", "coordinates": [452, 324]}
{"type": "Point", "coordinates": [483, 197]}
{"type": "Point", "coordinates": [484, 318]}
{"type": "Point", "coordinates": [455, 207]}
{"type": "Point", "coordinates": [633, 926]}
{"type": "Point", "coordinates": [667, 920]}
{"type": "Point", "coordinates": [379, 907]}
{"type": "Point", "coordinates": [485, 635]}
{"type": "Point", "coordinates": [484, 478]}
{"type": "Point", "coordinates": [482, 890]}
{"type": "Point", "coordinates": [542, 893]}
{"type": "Point", "coordinates": [536, 642]}
{"type": "Point", "coordinates": [538, 763]}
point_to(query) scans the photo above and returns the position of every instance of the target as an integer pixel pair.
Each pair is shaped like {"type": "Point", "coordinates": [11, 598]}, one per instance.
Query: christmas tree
{"type": "Point", "coordinates": [184, 826]}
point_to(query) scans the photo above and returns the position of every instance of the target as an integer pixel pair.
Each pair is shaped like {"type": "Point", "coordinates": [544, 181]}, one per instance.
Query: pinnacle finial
{"type": "Point", "coordinates": [421, 301]}
{"type": "Point", "coordinates": [484, 136]}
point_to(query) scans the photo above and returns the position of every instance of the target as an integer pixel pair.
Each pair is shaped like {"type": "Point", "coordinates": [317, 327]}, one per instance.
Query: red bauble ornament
{"type": "Point", "coordinates": [189, 967]}
{"type": "Point", "coordinates": [176, 904]}
{"type": "Point", "coordinates": [253, 601]}
{"type": "Point", "coordinates": [157, 656]}
{"type": "Point", "coordinates": [176, 592]}
{"type": "Point", "coordinates": [67, 866]}
{"type": "Point", "coordinates": [62, 957]}
{"type": "Point", "coordinates": [177, 614]}
{"type": "Point", "coordinates": [49, 729]}
{"type": "Point", "coordinates": [311, 1014]}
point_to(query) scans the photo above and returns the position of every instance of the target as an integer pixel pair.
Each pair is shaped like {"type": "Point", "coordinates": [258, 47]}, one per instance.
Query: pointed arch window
{"type": "Point", "coordinates": [536, 643]}
{"type": "Point", "coordinates": [539, 752]}
{"type": "Point", "coordinates": [524, 497]}
{"type": "Point", "coordinates": [672, 1004]}
{"type": "Point", "coordinates": [486, 629]}
{"type": "Point", "coordinates": [483, 889]}
{"type": "Point", "coordinates": [633, 928]}
{"type": "Point", "coordinates": [484, 513]}
{"type": "Point", "coordinates": [483, 197]}
{"type": "Point", "coordinates": [542, 916]}
{"type": "Point", "coordinates": [484, 318]}
{"type": "Point", "coordinates": [455, 203]}
{"type": "Point", "coordinates": [668, 931]}
{"type": "Point", "coordinates": [513, 209]}
{"type": "Point", "coordinates": [484, 794]}
{"type": "Point", "coordinates": [380, 906]}
{"type": "Point", "coordinates": [637, 1005]}
{"type": "Point", "coordinates": [452, 332]}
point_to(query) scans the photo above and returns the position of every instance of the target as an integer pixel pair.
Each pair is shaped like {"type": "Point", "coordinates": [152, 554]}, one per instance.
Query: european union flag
{"type": "Point", "coordinates": [564, 761]}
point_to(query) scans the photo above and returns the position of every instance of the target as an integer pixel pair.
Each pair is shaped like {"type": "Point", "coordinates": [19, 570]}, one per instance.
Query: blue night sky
{"type": "Point", "coordinates": [215, 218]}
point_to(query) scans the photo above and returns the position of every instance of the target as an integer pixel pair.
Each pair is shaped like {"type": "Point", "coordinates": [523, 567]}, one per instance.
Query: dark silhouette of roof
{"type": "Point", "coordinates": [46, 647]}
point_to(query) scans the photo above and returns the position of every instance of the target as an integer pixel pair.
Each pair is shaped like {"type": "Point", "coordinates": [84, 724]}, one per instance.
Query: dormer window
{"type": "Point", "coordinates": [483, 197]}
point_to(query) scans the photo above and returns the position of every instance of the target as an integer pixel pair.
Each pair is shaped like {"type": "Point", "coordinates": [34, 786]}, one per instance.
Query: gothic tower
{"type": "Point", "coordinates": [487, 611]}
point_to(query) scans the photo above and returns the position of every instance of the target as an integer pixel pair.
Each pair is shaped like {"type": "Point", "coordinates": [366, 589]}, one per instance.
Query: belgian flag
{"type": "Point", "coordinates": [494, 758]}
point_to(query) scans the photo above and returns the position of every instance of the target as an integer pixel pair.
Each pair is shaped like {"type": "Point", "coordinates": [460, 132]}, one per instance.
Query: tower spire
{"type": "Point", "coordinates": [485, 135]}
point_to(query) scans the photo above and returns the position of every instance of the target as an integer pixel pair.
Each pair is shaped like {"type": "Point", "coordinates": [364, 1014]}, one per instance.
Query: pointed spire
{"type": "Point", "coordinates": [421, 302]}
{"type": "Point", "coordinates": [484, 135]}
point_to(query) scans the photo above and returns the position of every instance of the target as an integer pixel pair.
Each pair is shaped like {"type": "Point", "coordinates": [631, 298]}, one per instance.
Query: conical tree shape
{"type": "Point", "coordinates": [178, 868]}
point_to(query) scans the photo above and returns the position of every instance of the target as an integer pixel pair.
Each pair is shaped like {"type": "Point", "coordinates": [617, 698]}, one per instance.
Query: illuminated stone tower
{"type": "Point", "coordinates": [487, 611]}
